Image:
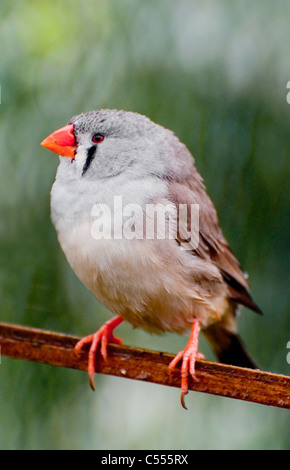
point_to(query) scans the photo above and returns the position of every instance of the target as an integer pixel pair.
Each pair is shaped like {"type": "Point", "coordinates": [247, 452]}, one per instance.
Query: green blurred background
{"type": "Point", "coordinates": [213, 71]}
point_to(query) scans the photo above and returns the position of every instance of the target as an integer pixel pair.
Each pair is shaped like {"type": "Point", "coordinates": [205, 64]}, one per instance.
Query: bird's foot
{"type": "Point", "coordinates": [188, 357]}
{"type": "Point", "coordinates": [100, 338]}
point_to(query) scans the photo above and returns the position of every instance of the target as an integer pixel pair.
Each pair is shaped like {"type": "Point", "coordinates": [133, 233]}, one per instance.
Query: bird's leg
{"type": "Point", "coordinates": [100, 338]}
{"type": "Point", "coordinates": [188, 357]}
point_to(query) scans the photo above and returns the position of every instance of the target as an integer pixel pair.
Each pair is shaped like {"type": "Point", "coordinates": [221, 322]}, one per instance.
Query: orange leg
{"type": "Point", "coordinates": [100, 338]}
{"type": "Point", "coordinates": [188, 357]}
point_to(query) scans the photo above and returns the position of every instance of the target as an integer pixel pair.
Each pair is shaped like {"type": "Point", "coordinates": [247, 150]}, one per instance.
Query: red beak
{"type": "Point", "coordinates": [62, 141]}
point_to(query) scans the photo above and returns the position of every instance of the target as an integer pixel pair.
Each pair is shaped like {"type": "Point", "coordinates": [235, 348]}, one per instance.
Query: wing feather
{"type": "Point", "coordinates": [212, 244]}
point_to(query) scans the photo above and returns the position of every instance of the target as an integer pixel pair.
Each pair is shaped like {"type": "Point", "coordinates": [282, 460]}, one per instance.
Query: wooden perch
{"type": "Point", "coordinates": [218, 379]}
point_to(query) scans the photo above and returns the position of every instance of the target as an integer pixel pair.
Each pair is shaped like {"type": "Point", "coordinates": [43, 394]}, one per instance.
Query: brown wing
{"type": "Point", "coordinates": [212, 244]}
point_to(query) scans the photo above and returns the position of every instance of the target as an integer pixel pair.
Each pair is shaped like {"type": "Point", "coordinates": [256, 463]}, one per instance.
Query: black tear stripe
{"type": "Point", "coordinates": [91, 152]}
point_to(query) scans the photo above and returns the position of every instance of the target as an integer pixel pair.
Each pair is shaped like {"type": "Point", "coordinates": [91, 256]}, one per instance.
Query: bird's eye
{"type": "Point", "coordinates": [97, 138]}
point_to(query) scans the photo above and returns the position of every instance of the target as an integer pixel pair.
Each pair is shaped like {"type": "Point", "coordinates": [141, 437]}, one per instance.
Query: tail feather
{"type": "Point", "coordinates": [229, 347]}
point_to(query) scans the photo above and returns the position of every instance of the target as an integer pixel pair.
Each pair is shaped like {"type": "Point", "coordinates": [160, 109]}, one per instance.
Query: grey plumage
{"type": "Point", "coordinates": [153, 284]}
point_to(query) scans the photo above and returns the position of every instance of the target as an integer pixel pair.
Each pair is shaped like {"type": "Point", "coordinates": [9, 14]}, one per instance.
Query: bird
{"type": "Point", "coordinates": [181, 276]}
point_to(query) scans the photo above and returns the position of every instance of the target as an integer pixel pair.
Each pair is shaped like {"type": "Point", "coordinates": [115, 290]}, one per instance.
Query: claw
{"type": "Point", "coordinates": [188, 357]}
{"type": "Point", "coordinates": [101, 338]}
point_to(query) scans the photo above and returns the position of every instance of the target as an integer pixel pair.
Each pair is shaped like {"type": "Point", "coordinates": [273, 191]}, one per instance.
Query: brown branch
{"type": "Point", "coordinates": [58, 349]}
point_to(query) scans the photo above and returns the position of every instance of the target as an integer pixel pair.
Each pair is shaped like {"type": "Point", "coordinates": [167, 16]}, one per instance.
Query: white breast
{"type": "Point", "coordinates": [153, 284]}
{"type": "Point", "coordinates": [148, 287]}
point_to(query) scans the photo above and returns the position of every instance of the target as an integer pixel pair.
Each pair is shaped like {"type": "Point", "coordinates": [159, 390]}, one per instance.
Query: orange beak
{"type": "Point", "coordinates": [62, 141]}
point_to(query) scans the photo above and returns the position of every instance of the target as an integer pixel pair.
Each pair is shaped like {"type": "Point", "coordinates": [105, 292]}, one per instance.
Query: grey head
{"type": "Point", "coordinates": [113, 142]}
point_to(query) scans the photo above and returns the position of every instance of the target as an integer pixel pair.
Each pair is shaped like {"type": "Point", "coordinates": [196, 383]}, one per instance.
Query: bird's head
{"type": "Point", "coordinates": [105, 143]}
